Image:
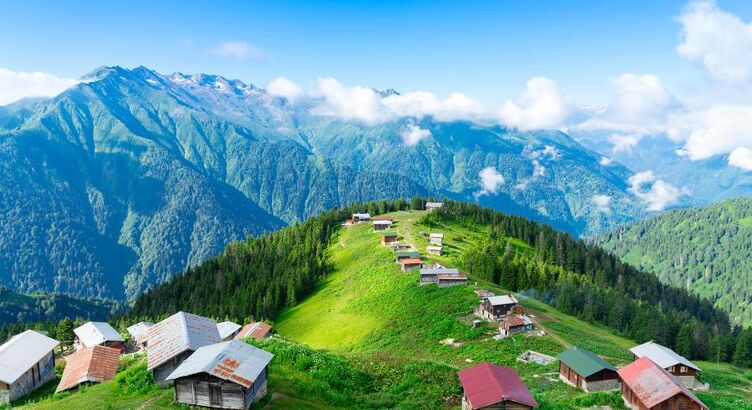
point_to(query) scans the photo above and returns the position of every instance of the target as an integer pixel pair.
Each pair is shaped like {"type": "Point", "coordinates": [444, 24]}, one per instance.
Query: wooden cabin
{"type": "Point", "coordinates": [445, 281]}
{"type": "Point", "coordinates": [585, 370]}
{"type": "Point", "coordinates": [436, 239]}
{"type": "Point", "coordinates": [139, 334]}
{"type": "Point", "coordinates": [92, 334]}
{"type": "Point", "coordinates": [490, 386]}
{"type": "Point", "coordinates": [227, 375]}
{"type": "Point", "coordinates": [228, 330]}
{"type": "Point", "coordinates": [431, 275]}
{"type": "Point", "coordinates": [514, 324]}
{"type": "Point", "coordinates": [256, 330]}
{"type": "Point", "coordinates": [27, 362]}
{"type": "Point", "coordinates": [89, 365]}
{"type": "Point", "coordinates": [686, 371]}
{"type": "Point", "coordinates": [380, 225]}
{"type": "Point", "coordinates": [406, 255]}
{"type": "Point", "coordinates": [172, 340]}
{"type": "Point", "coordinates": [388, 237]}
{"type": "Point", "coordinates": [360, 218]}
{"type": "Point", "coordinates": [645, 385]}
{"type": "Point", "coordinates": [409, 264]}
{"type": "Point", "coordinates": [432, 206]}
{"type": "Point", "coordinates": [496, 307]}
{"type": "Point", "coordinates": [435, 250]}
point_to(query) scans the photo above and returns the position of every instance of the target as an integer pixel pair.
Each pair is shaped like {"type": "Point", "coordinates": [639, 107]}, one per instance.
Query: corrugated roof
{"type": "Point", "coordinates": [389, 234]}
{"type": "Point", "coordinates": [410, 261]}
{"type": "Point", "coordinates": [584, 362]}
{"type": "Point", "coordinates": [408, 254]}
{"type": "Point", "coordinates": [439, 271]}
{"type": "Point", "coordinates": [22, 351]}
{"type": "Point", "coordinates": [652, 384]}
{"type": "Point", "coordinates": [661, 355]}
{"type": "Point", "coordinates": [381, 222]}
{"type": "Point", "coordinates": [91, 364]}
{"type": "Point", "coordinates": [486, 384]}
{"type": "Point", "coordinates": [258, 330]}
{"type": "Point", "coordinates": [361, 216]}
{"type": "Point", "coordinates": [451, 277]}
{"type": "Point", "coordinates": [502, 300]}
{"type": "Point", "coordinates": [515, 320]}
{"type": "Point", "coordinates": [140, 331]}
{"type": "Point", "coordinates": [178, 333]}
{"type": "Point", "coordinates": [226, 329]}
{"type": "Point", "coordinates": [234, 361]}
{"type": "Point", "coordinates": [96, 333]}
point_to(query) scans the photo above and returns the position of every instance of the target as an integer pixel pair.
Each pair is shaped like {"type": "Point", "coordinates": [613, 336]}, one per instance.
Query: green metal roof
{"type": "Point", "coordinates": [389, 233]}
{"type": "Point", "coordinates": [408, 254]}
{"type": "Point", "coordinates": [585, 363]}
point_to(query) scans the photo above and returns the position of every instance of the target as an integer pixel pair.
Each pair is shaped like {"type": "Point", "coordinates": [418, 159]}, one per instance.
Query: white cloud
{"type": "Point", "coordinates": [418, 104]}
{"type": "Point", "coordinates": [412, 134]}
{"type": "Point", "coordinates": [639, 99]}
{"type": "Point", "coordinates": [542, 105]}
{"type": "Point", "coordinates": [717, 130]}
{"type": "Point", "coordinates": [742, 158]}
{"type": "Point", "coordinates": [605, 161]}
{"type": "Point", "coordinates": [240, 50]}
{"type": "Point", "coordinates": [721, 41]}
{"type": "Point", "coordinates": [490, 182]}
{"type": "Point", "coordinates": [602, 203]}
{"type": "Point", "coordinates": [549, 151]}
{"type": "Point", "coordinates": [283, 87]}
{"type": "Point", "coordinates": [538, 169]}
{"type": "Point", "coordinates": [624, 142]}
{"type": "Point", "coordinates": [657, 193]}
{"type": "Point", "coordinates": [352, 103]}
{"type": "Point", "coordinates": [15, 85]}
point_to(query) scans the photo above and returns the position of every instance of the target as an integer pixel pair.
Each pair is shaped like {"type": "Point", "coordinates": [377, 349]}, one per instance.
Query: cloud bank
{"type": "Point", "coordinates": [15, 85]}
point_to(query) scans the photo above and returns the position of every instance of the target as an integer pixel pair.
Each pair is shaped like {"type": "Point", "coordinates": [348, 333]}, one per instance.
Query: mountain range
{"type": "Point", "coordinates": [131, 176]}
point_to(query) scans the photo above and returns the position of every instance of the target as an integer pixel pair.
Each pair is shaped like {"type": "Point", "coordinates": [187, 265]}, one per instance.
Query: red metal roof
{"type": "Point", "coordinates": [487, 383]}
{"type": "Point", "coordinates": [91, 364]}
{"type": "Point", "coordinates": [653, 385]}
{"type": "Point", "coordinates": [410, 261]}
{"type": "Point", "coordinates": [257, 330]}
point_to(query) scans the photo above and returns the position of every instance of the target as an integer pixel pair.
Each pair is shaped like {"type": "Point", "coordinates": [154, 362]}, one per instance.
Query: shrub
{"type": "Point", "coordinates": [136, 379]}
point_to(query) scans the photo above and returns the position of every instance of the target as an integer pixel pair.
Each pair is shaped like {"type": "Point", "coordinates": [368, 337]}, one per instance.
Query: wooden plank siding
{"type": "Point", "coordinates": [209, 391]}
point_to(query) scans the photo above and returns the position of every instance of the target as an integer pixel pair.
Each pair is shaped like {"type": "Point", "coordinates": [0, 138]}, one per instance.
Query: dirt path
{"type": "Point", "coordinates": [147, 403]}
{"type": "Point", "coordinates": [548, 331]}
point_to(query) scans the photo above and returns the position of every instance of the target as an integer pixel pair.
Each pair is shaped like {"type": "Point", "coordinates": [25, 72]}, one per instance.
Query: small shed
{"type": "Point", "coordinates": [227, 375]}
{"type": "Point", "coordinates": [646, 385]}
{"type": "Point", "coordinates": [431, 206]}
{"type": "Point", "coordinates": [435, 250]}
{"type": "Point", "coordinates": [89, 365]}
{"type": "Point", "coordinates": [445, 281]}
{"type": "Point", "coordinates": [514, 324]}
{"type": "Point", "coordinates": [139, 334]}
{"type": "Point", "coordinates": [228, 330]}
{"type": "Point", "coordinates": [436, 239]}
{"type": "Point", "coordinates": [360, 218]}
{"type": "Point", "coordinates": [381, 225]}
{"type": "Point", "coordinates": [686, 371]}
{"type": "Point", "coordinates": [256, 330]}
{"type": "Point", "coordinates": [92, 334]}
{"type": "Point", "coordinates": [496, 307]}
{"type": "Point", "coordinates": [383, 218]}
{"type": "Point", "coordinates": [409, 264]}
{"type": "Point", "coordinates": [431, 275]}
{"type": "Point", "coordinates": [490, 386]}
{"type": "Point", "coordinates": [388, 237]}
{"type": "Point", "coordinates": [172, 340]}
{"type": "Point", "coordinates": [406, 255]}
{"type": "Point", "coordinates": [585, 370]}
{"type": "Point", "coordinates": [27, 362]}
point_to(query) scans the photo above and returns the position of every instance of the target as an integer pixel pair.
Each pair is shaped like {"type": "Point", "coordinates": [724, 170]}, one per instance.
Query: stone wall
{"type": "Point", "coordinates": [602, 385]}
{"type": "Point", "coordinates": [30, 380]}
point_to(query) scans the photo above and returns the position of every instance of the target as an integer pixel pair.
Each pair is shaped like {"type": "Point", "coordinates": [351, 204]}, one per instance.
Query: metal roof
{"type": "Point", "coordinates": [234, 361]}
{"type": "Point", "coordinates": [226, 329]}
{"type": "Point", "coordinates": [652, 384]}
{"type": "Point", "coordinates": [361, 216]}
{"type": "Point", "coordinates": [451, 277]}
{"type": "Point", "coordinates": [96, 333]}
{"type": "Point", "coordinates": [661, 355]}
{"type": "Point", "coordinates": [502, 300]}
{"type": "Point", "coordinates": [92, 364]}
{"type": "Point", "coordinates": [486, 384]}
{"type": "Point", "coordinates": [408, 254]}
{"type": "Point", "coordinates": [140, 331]}
{"type": "Point", "coordinates": [434, 204]}
{"type": "Point", "coordinates": [178, 333]}
{"type": "Point", "coordinates": [439, 271]}
{"type": "Point", "coordinates": [410, 261]}
{"type": "Point", "coordinates": [584, 362]}
{"type": "Point", "coordinates": [515, 320]}
{"type": "Point", "coordinates": [258, 330]}
{"type": "Point", "coordinates": [382, 222]}
{"type": "Point", "coordinates": [21, 352]}
{"type": "Point", "coordinates": [389, 234]}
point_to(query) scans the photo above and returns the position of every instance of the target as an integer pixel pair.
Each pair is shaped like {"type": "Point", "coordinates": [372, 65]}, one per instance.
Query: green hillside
{"type": "Point", "coordinates": [706, 250]}
{"type": "Point", "coordinates": [24, 308]}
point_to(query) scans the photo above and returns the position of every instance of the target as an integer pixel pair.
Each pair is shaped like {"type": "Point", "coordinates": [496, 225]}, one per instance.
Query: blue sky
{"type": "Point", "coordinates": [485, 49]}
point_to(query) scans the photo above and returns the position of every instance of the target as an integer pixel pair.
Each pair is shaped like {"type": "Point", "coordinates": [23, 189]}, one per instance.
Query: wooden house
{"type": "Point", "coordinates": [409, 264]}
{"type": "Point", "coordinates": [490, 386]}
{"type": "Point", "coordinates": [435, 250]}
{"type": "Point", "coordinates": [380, 225]}
{"type": "Point", "coordinates": [585, 370]}
{"type": "Point", "coordinates": [431, 275]}
{"type": "Point", "coordinates": [431, 206]}
{"type": "Point", "coordinates": [388, 237]}
{"type": "Point", "coordinates": [496, 307]}
{"type": "Point", "coordinates": [436, 239]}
{"type": "Point", "coordinates": [383, 218]}
{"type": "Point", "coordinates": [172, 340]}
{"type": "Point", "coordinates": [645, 385]}
{"type": "Point", "coordinates": [360, 218]}
{"type": "Point", "coordinates": [227, 375]}
{"type": "Point", "coordinates": [686, 371]}
{"type": "Point", "coordinates": [256, 330]}
{"type": "Point", "coordinates": [139, 334]}
{"type": "Point", "coordinates": [89, 365]}
{"type": "Point", "coordinates": [228, 330]}
{"type": "Point", "coordinates": [445, 281]}
{"type": "Point", "coordinates": [27, 362]}
{"type": "Point", "coordinates": [514, 324]}
{"type": "Point", "coordinates": [92, 334]}
{"type": "Point", "coordinates": [406, 255]}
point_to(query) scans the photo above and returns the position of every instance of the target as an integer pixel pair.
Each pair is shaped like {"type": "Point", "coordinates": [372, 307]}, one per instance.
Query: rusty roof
{"type": "Point", "coordinates": [178, 333]}
{"type": "Point", "coordinates": [451, 277]}
{"type": "Point", "coordinates": [410, 261]}
{"type": "Point", "coordinates": [515, 321]}
{"type": "Point", "coordinates": [652, 384]}
{"type": "Point", "coordinates": [234, 361]}
{"type": "Point", "coordinates": [91, 364]}
{"type": "Point", "coordinates": [257, 330]}
{"type": "Point", "coordinates": [140, 331]}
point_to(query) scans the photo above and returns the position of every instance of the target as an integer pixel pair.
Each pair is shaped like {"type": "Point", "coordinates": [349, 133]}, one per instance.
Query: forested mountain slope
{"type": "Point", "coordinates": [706, 250]}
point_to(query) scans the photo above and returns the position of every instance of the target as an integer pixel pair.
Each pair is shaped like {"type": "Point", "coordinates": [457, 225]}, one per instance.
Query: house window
{"type": "Point", "coordinates": [683, 369]}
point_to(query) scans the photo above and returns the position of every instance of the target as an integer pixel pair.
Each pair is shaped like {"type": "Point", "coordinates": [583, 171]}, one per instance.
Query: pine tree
{"type": "Point", "coordinates": [743, 352]}
{"type": "Point", "coordinates": [683, 344]}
